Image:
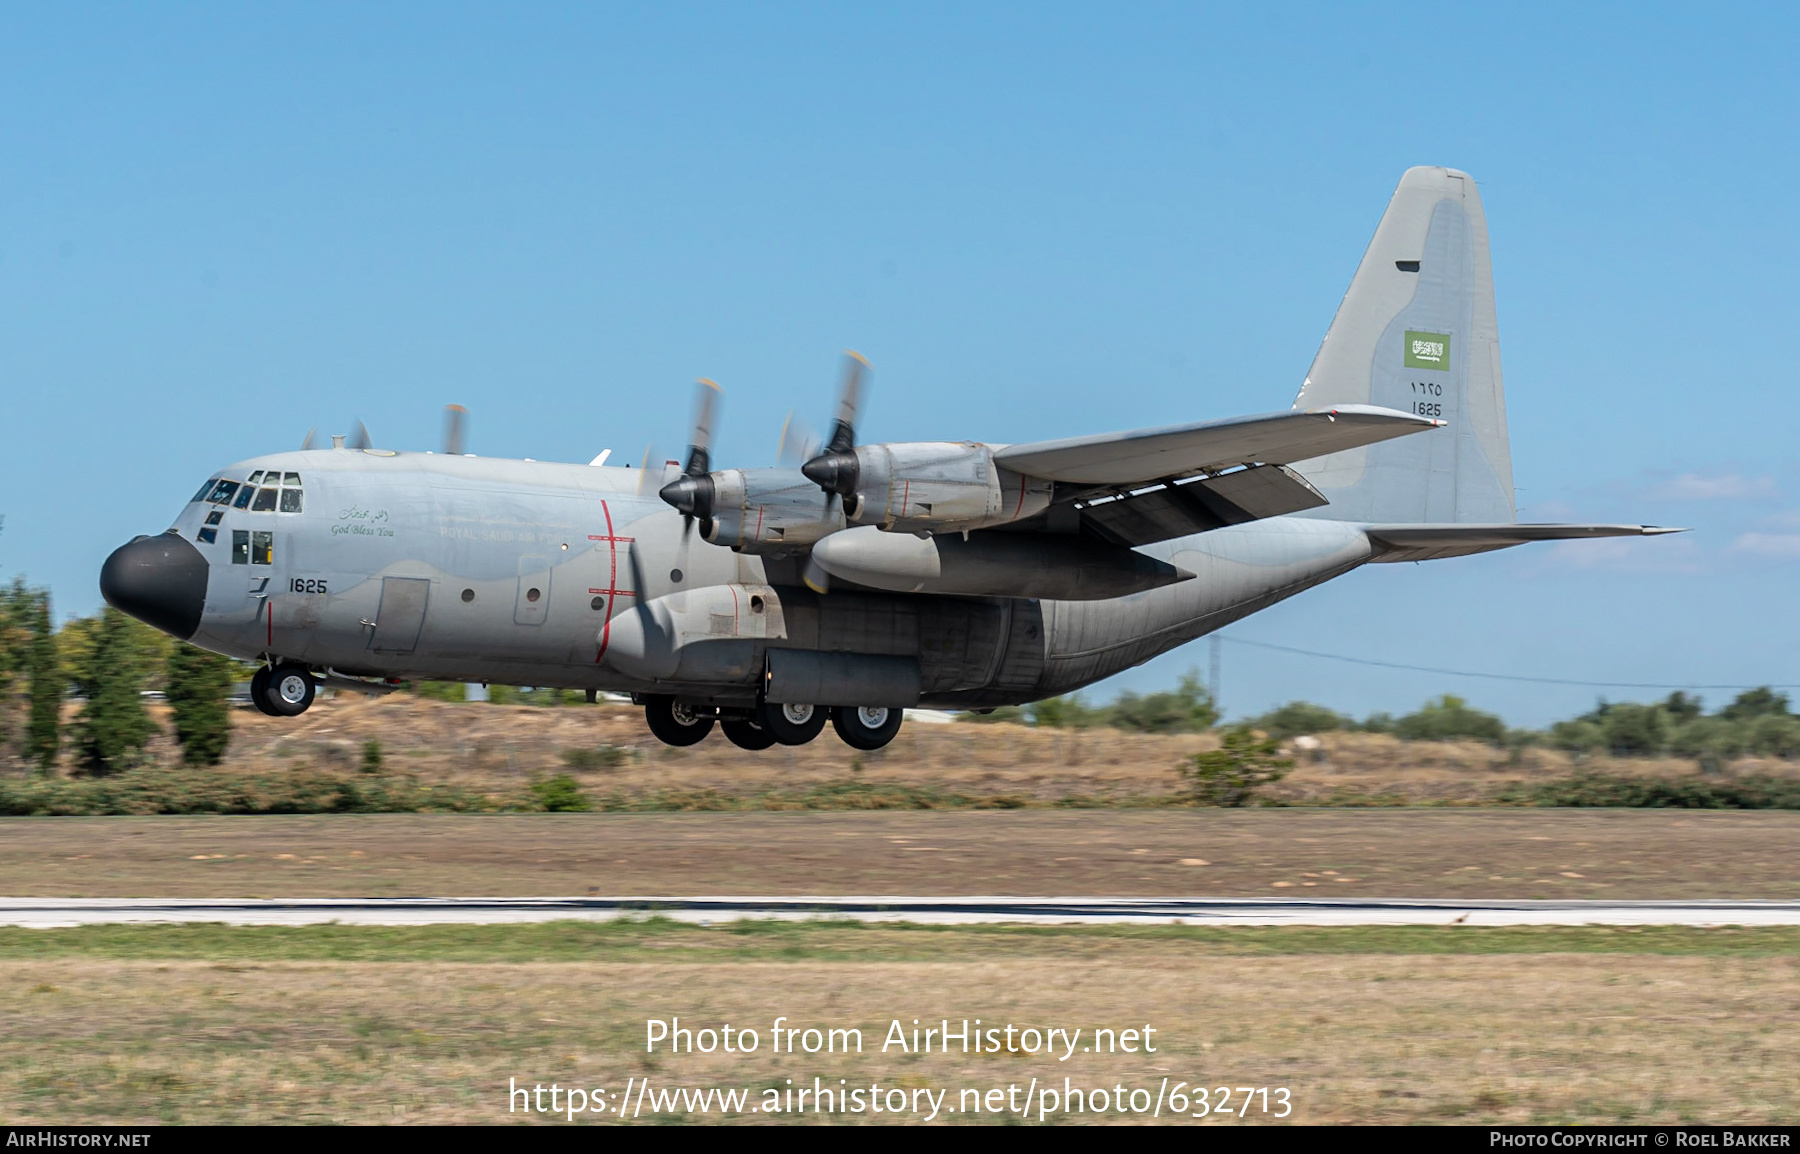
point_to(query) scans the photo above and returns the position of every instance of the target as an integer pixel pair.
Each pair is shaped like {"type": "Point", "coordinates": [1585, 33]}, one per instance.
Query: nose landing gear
{"type": "Point", "coordinates": [284, 691]}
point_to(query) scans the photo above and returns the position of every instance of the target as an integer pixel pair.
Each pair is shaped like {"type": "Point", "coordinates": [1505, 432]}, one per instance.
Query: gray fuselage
{"type": "Point", "coordinates": [417, 565]}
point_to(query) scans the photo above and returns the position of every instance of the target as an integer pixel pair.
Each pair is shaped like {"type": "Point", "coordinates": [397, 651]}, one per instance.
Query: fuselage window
{"type": "Point", "coordinates": [265, 501]}
{"type": "Point", "coordinates": [262, 548]}
{"type": "Point", "coordinates": [243, 498]}
{"type": "Point", "coordinates": [204, 490]}
{"type": "Point", "coordinates": [207, 535]}
{"type": "Point", "coordinates": [222, 492]}
{"type": "Point", "coordinates": [240, 547]}
{"type": "Point", "coordinates": [290, 500]}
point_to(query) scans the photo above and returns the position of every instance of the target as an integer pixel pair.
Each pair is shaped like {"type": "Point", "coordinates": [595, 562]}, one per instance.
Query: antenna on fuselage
{"type": "Point", "coordinates": [455, 418]}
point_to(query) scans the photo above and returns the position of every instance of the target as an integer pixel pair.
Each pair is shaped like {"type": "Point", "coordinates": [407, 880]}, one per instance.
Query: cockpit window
{"type": "Point", "coordinates": [222, 492]}
{"type": "Point", "coordinates": [290, 499]}
{"type": "Point", "coordinates": [243, 497]}
{"type": "Point", "coordinates": [292, 479]}
{"type": "Point", "coordinates": [240, 546]}
{"type": "Point", "coordinates": [265, 501]}
{"type": "Point", "coordinates": [254, 477]}
{"type": "Point", "coordinates": [204, 490]}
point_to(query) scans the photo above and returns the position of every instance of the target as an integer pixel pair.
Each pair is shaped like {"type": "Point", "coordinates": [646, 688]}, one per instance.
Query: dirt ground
{"type": "Point", "coordinates": [1557, 1038]}
{"type": "Point", "coordinates": [1497, 853]}
{"type": "Point", "coordinates": [503, 747]}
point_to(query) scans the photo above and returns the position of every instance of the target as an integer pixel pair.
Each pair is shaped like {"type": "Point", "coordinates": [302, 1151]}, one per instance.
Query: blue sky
{"type": "Point", "coordinates": [222, 225]}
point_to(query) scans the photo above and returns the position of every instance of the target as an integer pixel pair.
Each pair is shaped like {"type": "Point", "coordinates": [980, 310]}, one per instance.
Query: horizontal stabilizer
{"type": "Point", "coordinates": [1146, 455]}
{"type": "Point", "coordinates": [1431, 542]}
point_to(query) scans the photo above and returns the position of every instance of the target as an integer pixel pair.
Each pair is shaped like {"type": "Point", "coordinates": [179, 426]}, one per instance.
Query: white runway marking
{"type": "Point", "coordinates": [53, 912]}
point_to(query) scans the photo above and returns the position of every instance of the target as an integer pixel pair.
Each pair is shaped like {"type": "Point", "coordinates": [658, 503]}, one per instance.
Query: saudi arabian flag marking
{"type": "Point", "coordinates": [1427, 350]}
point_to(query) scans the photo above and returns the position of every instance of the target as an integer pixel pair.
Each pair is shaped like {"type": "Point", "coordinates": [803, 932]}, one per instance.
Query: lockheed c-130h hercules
{"type": "Point", "coordinates": [872, 577]}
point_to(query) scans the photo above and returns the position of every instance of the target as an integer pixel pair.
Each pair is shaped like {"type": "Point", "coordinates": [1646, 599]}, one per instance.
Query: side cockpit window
{"type": "Point", "coordinates": [265, 501]}
{"type": "Point", "coordinates": [204, 490]}
{"type": "Point", "coordinates": [222, 492]}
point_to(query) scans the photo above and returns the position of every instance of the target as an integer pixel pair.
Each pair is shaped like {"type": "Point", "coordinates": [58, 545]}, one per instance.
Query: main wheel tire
{"type": "Point", "coordinates": [259, 689]}
{"type": "Point", "coordinates": [866, 727]}
{"type": "Point", "coordinates": [793, 724]}
{"type": "Point", "coordinates": [674, 723]}
{"type": "Point", "coordinates": [747, 734]}
{"type": "Point", "coordinates": [289, 690]}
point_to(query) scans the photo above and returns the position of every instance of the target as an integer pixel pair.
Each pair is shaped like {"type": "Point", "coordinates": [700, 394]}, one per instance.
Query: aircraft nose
{"type": "Point", "coordinates": [161, 581]}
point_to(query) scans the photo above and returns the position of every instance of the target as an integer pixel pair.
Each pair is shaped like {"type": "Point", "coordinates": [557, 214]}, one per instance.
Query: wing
{"type": "Point", "coordinates": [1430, 542]}
{"type": "Point", "coordinates": [1146, 455]}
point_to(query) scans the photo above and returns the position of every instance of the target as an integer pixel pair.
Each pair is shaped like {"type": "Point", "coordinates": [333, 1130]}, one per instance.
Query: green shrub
{"type": "Point", "coordinates": [1067, 712]}
{"type": "Point", "coordinates": [1448, 718]}
{"type": "Point", "coordinates": [1231, 774]}
{"type": "Point", "coordinates": [372, 760]}
{"type": "Point", "coordinates": [1614, 791]}
{"type": "Point", "coordinates": [441, 690]}
{"type": "Point", "coordinates": [605, 757]}
{"type": "Point", "coordinates": [560, 794]}
{"type": "Point", "coordinates": [1297, 718]}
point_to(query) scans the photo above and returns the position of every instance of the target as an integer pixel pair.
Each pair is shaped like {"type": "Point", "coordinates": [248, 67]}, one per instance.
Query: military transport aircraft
{"type": "Point", "coordinates": [872, 577]}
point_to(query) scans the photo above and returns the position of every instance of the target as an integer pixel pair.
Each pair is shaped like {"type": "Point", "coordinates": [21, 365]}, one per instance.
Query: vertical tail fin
{"type": "Point", "coordinates": [1417, 332]}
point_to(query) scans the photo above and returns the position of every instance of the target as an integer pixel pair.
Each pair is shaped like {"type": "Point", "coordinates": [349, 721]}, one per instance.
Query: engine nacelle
{"type": "Point", "coordinates": [935, 486]}
{"type": "Point", "coordinates": [770, 510]}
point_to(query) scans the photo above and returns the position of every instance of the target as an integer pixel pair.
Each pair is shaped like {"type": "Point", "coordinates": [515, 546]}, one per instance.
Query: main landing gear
{"type": "Point", "coordinates": [680, 723]}
{"type": "Point", "coordinates": [287, 690]}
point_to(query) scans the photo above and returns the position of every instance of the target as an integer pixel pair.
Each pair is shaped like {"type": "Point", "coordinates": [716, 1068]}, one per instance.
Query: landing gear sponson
{"type": "Point", "coordinates": [681, 723]}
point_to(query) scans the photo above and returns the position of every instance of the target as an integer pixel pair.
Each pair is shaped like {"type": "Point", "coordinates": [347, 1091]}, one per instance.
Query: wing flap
{"type": "Point", "coordinates": [1177, 510]}
{"type": "Point", "coordinates": [1144, 455]}
{"type": "Point", "coordinates": [1433, 542]}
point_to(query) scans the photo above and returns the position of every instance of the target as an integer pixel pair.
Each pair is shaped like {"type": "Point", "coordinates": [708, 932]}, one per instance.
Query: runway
{"type": "Point", "coordinates": [44, 913]}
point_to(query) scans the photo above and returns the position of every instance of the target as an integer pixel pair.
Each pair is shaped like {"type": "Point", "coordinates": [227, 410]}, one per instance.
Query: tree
{"type": "Point", "coordinates": [42, 730]}
{"type": "Point", "coordinates": [199, 691]}
{"type": "Point", "coordinates": [113, 726]}
{"type": "Point", "coordinates": [1231, 774]}
{"type": "Point", "coordinates": [1188, 709]}
{"type": "Point", "coordinates": [1448, 718]}
{"type": "Point", "coordinates": [1759, 702]}
{"type": "Point", "coordinates": [1298, 717]}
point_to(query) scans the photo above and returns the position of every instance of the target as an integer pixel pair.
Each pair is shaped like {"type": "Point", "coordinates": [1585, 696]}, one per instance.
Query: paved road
{"type": "Point", "coordinates": [50, 912]}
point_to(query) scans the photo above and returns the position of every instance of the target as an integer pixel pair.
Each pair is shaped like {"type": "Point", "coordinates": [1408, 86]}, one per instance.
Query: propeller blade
{"type": "Point", "coordinates": [308, 443]}
{"type": "Point", "coordinates": [798, 443]}
{"type": "Point", "coordinates": [644, 470]}
{"type": "Point", "coordinates": [360, 438]}
{"type": "Point", "coordinates": [835, 469]}
{"type": "Point", "coordinates": [843, 428]}
{"type": "Point", "coordinates": [455, 416]}
{"type": "Point", "coordinates": [706, 403]}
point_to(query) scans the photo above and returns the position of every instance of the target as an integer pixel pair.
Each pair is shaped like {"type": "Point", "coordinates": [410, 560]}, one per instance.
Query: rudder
{"type": "Point", "coordinates": [1417, 332]}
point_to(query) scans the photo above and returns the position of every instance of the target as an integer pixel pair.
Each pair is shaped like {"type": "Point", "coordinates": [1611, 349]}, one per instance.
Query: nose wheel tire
{"type": "Point", "coordinates": [793, 724]}
{"type": "Point", "coordinates": [259, 689]}
{"type": "Point", "coordinates": [747, 734]}
{"type": "Point", "coordinates": [288, 690]}
{"type": "Point", "coordinates": [676, 724]}
{"type": "Point", "coordinates": [866, 727]}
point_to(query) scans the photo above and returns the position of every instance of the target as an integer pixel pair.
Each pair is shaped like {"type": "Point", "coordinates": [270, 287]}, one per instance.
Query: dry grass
{"type": "Point", "coordinates": [1356, 1037]}
{"type": "Point", "coordinates": [1498, 853]}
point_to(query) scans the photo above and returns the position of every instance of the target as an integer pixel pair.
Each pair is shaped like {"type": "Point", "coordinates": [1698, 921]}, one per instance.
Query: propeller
{"type": "Point", "coordinates": [455, 419]}
{"type": "Point", "coordinates": [644, 469]}
{"type": "Point", "coordinates": [308, 443]}
{"type": "Point", "coordinates": [692, 492]}
{"type": "Point", "coordinates": [834, 469]}
{"type": "Point", "coordinates": [360, 438]}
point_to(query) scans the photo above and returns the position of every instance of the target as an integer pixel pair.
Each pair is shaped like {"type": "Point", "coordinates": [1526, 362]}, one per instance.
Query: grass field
{"type": "Point", "coordinates": [366, 1024]}
{"type": "Point", "coordinates": [1496, 853]}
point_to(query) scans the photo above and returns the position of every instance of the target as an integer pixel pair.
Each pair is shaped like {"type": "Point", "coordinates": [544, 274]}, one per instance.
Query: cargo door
{"type": "Point", "coordinates": [402, 614]}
